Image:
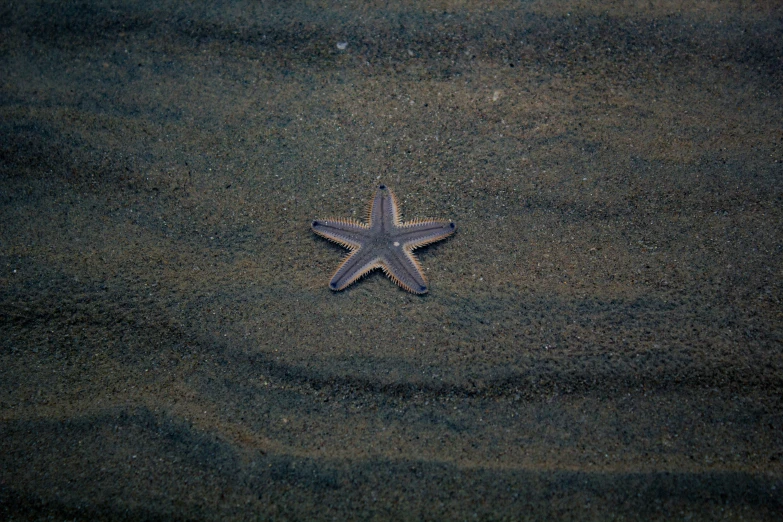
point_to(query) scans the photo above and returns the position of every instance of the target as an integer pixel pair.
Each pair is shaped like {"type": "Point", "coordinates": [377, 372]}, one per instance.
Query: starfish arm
{"type": "Point", "coordinates": [384, 214]}
{"type": "Point", "coordinates": [356, 265]}
{"type": "Point", "coordinates": [419, 233]}
{"type": "Point", "coordinates": [403, 268]}
{"type": "Point", "coordinates": [345, 232]}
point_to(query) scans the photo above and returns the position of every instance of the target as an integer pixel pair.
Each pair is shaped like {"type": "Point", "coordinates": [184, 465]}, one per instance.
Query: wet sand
{"type": "Point", "coordinates": [602, 339]}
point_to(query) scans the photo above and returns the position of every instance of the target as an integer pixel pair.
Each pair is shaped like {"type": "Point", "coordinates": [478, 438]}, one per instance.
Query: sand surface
{"type": "Point", "coordinates": [603, 337]}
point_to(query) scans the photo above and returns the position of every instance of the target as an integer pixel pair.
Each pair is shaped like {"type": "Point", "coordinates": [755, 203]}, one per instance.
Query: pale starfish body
{"type": "Point", "coordinates": [385, 242]}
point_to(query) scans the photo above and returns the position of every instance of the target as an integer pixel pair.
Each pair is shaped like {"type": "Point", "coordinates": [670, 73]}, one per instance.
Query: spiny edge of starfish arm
{"type": "Point", "coordinates": [395, 208]}
{"type": "Point", "coordinates": [334, 235]}
{"type": "Point", "coordinates": [423, 222]}
{"type": "Point", "coordinates": [336, 222]}
{"type": "Point", "coordinates": [444, 230]}
{"type": "Point", "coordinates": [402, 285]}
{"type": "Point", "coordinates": [357, 274]}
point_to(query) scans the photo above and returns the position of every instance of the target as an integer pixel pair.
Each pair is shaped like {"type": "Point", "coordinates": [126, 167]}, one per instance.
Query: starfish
{"type": "Point", "coordinates": [385, 242]}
